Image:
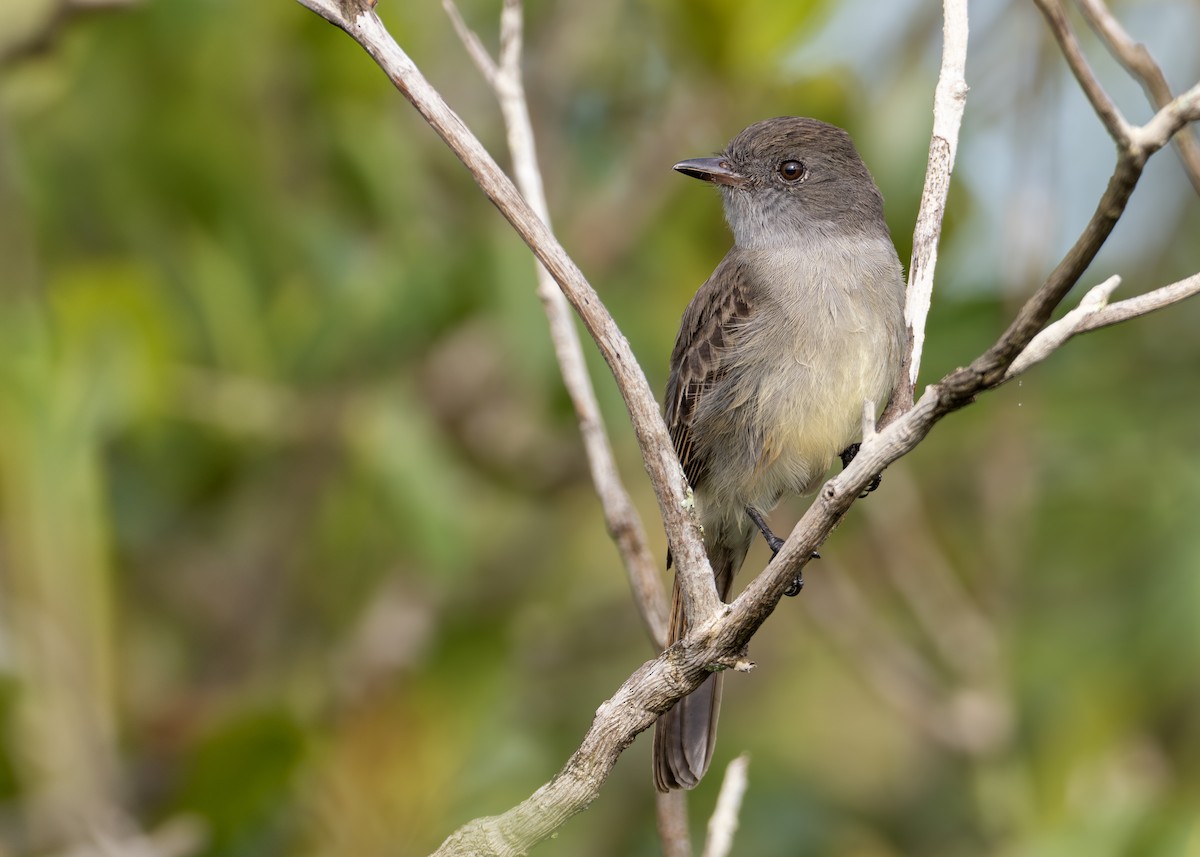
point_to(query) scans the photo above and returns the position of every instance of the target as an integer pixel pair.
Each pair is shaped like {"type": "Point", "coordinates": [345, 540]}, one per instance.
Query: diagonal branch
{"type": "Point", "coordinates": [960, 387]}
{"type": "Point", "coordinates": [624, 523]}
{"type": "Point", "coordinates": [1094, 312]}
{"type": "Point", "coordinates": [1142, 304]}
{"type": "Point", "coordinates": [719, 633]}
{"type": "Point", "coordinates": [1104, 106]}
{"type": "Point", "coordinates": [1137, 60]}
{"type": "Point", "coordinates": [358, 19]}
{"type": "Point", "coordinates": [479, 54]}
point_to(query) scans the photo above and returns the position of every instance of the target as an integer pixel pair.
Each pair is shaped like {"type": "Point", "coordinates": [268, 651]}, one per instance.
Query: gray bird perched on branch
{"type": "Point", "coordinates": [801, 322]}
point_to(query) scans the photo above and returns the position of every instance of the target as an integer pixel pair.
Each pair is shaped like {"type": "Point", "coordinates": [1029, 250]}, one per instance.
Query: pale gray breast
{"type": "Point", "coordinates": [828, 337]}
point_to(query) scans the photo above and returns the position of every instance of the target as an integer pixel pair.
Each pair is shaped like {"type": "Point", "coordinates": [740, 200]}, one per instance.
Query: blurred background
{"type": "Point", "coordinates": [298, 549]}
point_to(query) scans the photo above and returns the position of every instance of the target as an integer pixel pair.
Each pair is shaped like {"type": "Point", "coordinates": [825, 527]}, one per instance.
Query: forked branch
{"type": "Point", "coordinates": [719, 633]}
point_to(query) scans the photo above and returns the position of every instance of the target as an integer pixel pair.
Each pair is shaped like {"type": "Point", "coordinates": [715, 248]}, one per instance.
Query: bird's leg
{"type": "Point", "coordinates": [775, 543]}
{"type": "Point", "coordinates": [847, 455]}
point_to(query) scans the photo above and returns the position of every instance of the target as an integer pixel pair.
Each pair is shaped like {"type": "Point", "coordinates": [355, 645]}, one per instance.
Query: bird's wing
{"type": "Point", "coordinates": [699, 361]}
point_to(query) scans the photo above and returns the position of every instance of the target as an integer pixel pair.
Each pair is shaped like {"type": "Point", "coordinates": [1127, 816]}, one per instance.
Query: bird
{"type": "Point", "coordinates": [799, 325]}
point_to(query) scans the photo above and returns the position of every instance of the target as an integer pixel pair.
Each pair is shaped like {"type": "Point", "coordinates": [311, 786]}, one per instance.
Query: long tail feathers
{"type": "Point", "coordinates": [684, 737]}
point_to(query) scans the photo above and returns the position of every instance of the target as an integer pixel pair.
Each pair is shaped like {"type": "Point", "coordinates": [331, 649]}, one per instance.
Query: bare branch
{"type": "Point", "coordinates": [1142, 304]}
{"type": "Point", "coordinates": [1054, 335]}
{"type": "Point", "coordinates": [1167, 122]}
{"type": "Point", "coordinates": [1138, 61]}
{"type": "Point", "coordinates": [478, 53]}
{"type": "Point", "coordinates": [1117, 127]}
{"type": "Point", "coordinates": [359, 21]}
{"type": "Point", "coordinates": [949, 102]}
{"type": "Point", "coordinates": [868, 419]}
{"type": "Point", "coordinates": [623, 521]}
{"type": "Point", "coordinates": [724, 821]}
{"type": "Point", "coordinates": [718, 634]}
{"type": "Point", "coordinates": [1094, 312]}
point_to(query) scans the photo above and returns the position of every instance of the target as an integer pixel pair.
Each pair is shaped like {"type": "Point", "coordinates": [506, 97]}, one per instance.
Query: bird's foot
{"type": "Point", "coordinates": [776, 544]}
{"type": "Point", "coordinates": [793, 588]}
{"type": "Point", "coordinates": [847, 455]}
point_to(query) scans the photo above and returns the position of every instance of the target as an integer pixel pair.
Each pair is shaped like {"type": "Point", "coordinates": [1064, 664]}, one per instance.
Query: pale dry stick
{"type": "Point", "coordinates": [949, 102]}
{"type": "Point", "coordinates": [1129, 308]}
{"type": "Point", "coordinates": [724, 821]}
{"type": "Point", "coordinates": [358, 19]}
{"type": "Point", "coordinates": [989, 369]}
{"type": "Point", "coordinates": [624, 523]}
{"type": "Point", "coordinates": [1054, 335]}
{"type": "Point", "coordinates": [1094, 312]}
{"type": "Point", "coordinates": [1138, 61]}
{"type": "Point", "coordinates": [1167, 122]}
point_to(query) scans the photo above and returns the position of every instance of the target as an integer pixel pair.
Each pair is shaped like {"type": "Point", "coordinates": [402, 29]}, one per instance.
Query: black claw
{"type": "Point", "coordinates": [847, 455]}
{"type": "Point", "coordinates": [776, 544]}
{"type": "Point", "coordinates": [872, 485]}
{"type": "Point", "coordinates": [798, 581]}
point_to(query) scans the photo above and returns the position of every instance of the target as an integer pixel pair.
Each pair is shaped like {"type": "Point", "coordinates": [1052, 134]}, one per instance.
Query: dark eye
{"type": "Point", "coordinates": [792, 171]}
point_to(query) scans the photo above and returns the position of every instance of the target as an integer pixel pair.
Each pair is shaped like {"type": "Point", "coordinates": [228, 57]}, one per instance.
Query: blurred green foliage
{"type": "Point", "coordinates": [297, 544]}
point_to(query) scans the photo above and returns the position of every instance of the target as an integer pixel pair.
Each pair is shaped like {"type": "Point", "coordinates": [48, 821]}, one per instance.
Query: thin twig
{"type": "Point", "coordinates": [1054, 335]}
{"type": "Point", "coordinates": [1142, 304]}
{"type": "Point", "coordinates": [949, 102]}
{"type": "Point", "coordinates": [1138, 61]}
{"type": "Point", "coordinates": [624, 523]}
{"type": "Point", "coordinates": [478, 53]}
{"type": "Point", "coordinates": [1104, 106]}
{"type": "Point", "coordinates": [724, 821]}
{"type": "Point", "coordinates": [1094, 312]}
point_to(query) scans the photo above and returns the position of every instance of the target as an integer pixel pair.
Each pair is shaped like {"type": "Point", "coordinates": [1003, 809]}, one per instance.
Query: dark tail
{"type": "Point", "coordinates": [684, 737]}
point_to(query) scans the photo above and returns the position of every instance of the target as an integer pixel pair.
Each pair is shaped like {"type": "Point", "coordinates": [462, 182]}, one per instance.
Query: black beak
{"type": "Point", "coordinates": [715, 170]}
